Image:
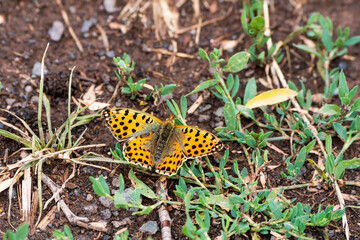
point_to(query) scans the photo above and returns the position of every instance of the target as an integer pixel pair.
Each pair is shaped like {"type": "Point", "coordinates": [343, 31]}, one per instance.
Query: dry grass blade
{"type": "Point", "coordinates": [26, 187]}
{"type": "Point", "coordinates": [164, 216]}
{"type": "Point", "coordinates": [166, 19]}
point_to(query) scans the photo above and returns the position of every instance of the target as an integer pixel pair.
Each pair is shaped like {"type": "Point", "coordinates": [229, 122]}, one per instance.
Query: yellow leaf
{"type": "Point", "coordinates": [271, 97]}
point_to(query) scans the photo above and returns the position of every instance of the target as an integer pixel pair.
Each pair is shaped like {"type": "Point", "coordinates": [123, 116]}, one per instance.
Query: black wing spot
{"type": "Point", "coordinates": [143, 117]}
{"type": "Point", "coordinates": [115, 126]}
{"type": "Point", "coordinates": [122, 118]}
{"type": "Point", "coordinates": [189, 151]}
{"type": "Point", "coordinates": [202, 150]}
{"type": "Point", "coordinates": [116, 119]}
{"type": "Point", "coordinates": [121, 123]}
{"type": "Point", "coordinates": [126, 112]}
{"type": "Point", "coordinates": [196, 139]}
{"type": "Point", "coordinates": [191, 130]}
{"type": "Point", "coordinates": [135, 115]}
{"type": "Point", "coordinates": [186, 144]}
{"type": "Point", "coordinates": [117, 131]}
{"type": "Point", "coordinates": [197, 134]}
{"type": "Point", "coordinates": [125, 133]}
{"type": "Point", "coordinates": [200, 145]}
{"type": "Point", "coordinates": [133, 130]}
{"type": "Point", "coordinates": [137, 124]}
{"type": "Point", "coordinates": [128, 148]}
{"type": "Point", "coordinates": [125, 128]}
{"type": "Point", "coordinates": [196, 152]}
{"type": "Point", "coordinates": [193, 146]}
{"type": "Point", "coordinates": [206, 135]}
{"type": "Point", "coordinates": [130, 120]}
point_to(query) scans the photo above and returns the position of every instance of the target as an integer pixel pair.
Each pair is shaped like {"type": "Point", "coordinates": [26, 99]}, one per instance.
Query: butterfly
{"type": "Point", "coordinates": [157, 145]}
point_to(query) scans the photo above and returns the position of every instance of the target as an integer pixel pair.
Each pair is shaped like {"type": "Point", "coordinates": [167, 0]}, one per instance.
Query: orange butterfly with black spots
{"type": "Point", "coordinates": [157, 145]}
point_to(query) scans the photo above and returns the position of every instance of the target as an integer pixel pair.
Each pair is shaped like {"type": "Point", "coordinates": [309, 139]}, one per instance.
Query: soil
{"type": "Point", "coordinates": [23, 38]}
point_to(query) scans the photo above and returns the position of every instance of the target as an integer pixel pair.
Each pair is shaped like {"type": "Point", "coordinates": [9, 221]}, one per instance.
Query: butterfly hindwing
{"type": "Point", "coordinates": [196, 142]}
{"type": "Point", "coordinates": [125, 123]}
{"type": "Point", "coordinates": [172, 161]}
{"type": "Point", "coordinates": [135, 151]}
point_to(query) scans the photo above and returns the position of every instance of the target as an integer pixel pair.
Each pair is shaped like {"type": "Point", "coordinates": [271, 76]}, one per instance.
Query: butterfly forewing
{"type": "Point", "coordinates": [196, 142]}
{"type": "Point", "coordinates": [125, 123]}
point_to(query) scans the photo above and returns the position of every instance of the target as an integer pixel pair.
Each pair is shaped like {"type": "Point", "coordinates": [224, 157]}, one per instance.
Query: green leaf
{"type": "Point", "coordinates": [244, 22]}
{"type": "Point", "coordinates": [257, 25]}
{"type": "Point", "coordinates": [237, 62]}
{"type": "Point", "coordinates": [326, 39]}
{"type": "Point", "coordinates": [22, 232]}
{"type": "Point", "coordinates": [230, 116]}
{"type": "Point", "coordinates": [276, 208]}
{"type": "Point", "coordinates": [346, 164]}
{"type": "Point", "coordinates": [203, 54]}
{"type": "Point", "coordinates": [250, 90]}
{"type": "Point", "coordinates": [236, 86]}
{"type": "Point", "coordinates": [168, 89]}
{"type": "Point", "coordinates": [183, 105]}
{"type": "Point", "coordinates": [144, 189]}
{"type": "Point", "coordinates": [328, 144]}
{"type": "Point", "coordinates": [204, 85]}
{"type": "Point", "coordinates": [100, 186]}
{"type": "Point", "coordinates": [352, 41]}
{"type": "Point", "coordinates": [308, 49]}
{"type": "Point", "coordinates": [330, 109]}
{"type": "Point", "coordinates": [340, 130]}
{"type": "Point", "coordinates": [343, 87]}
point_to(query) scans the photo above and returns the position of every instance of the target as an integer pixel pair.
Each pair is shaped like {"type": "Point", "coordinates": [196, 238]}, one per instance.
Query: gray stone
{"type": "Point", "coordinates": [34, 99]}
{"type": "Point", "coordinates": [72, 9]}
{"type": "Point", "coordinates": [115, 182]}
{"type": "Point", "coordinates": [110, 54]}
{"type": "Point", "coordinates": [166, 97]}
{"type": "Point", "coordinates": [28, 88]}
{"type": "Point", "coordinates": [110, 6]}
{"type": "Point", "coordinates": [10, 101]}
{"type": "Point", "coordinates": [105, 214]}
{"type": "Point", "coordinates": [105, 78]}
{"type": "Point", "coordinates": [56, 31]}
{"type": "Point", "coordinates": [110, 88]}
{"type": "Point", "coordinates": [92, 208]}
{"type": "Point", "coordinates": [115, 213]}
{"type": "Point", "coordinates": [36, 70]}
{"type": "Point", "coordinates": [194, 96]}
{"type": "Point", "coordinates": [87, 25]}
{"type": "Point", "coordinates": [219, 112]}
{"type": "Point", "coordinates": [150, 227]}
{"type": "Point", "coordinates": [204, 118]}
{"type": "Point", "coordinates": [72, 56]}
{"type": "Point", "coordinates": [106, 202]}
{"type": "Point", "coordinates": [123, 222]}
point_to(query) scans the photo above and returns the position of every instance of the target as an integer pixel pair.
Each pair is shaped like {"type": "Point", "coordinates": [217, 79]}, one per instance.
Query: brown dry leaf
{"type": "Point", "coordinates": [89, 98]}
{"type": "Point", "coordinates": [316, 98]}
{"type": "Point", "coordinates": [213, 7]}
{"type": "Point", "coordinates": [118, 26]}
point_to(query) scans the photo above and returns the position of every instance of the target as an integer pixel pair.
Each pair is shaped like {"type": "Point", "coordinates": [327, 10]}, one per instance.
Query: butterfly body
{"type": "Point", "coordinates": [157, 145]}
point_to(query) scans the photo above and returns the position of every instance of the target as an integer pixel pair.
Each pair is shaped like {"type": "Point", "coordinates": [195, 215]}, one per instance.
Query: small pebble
{"type": "Point", "coordinates": [72, 9]}
{"type": "Point", "coordinates": [56, 31]}
{"type": "Point", "coordinates": [31, 41]}
{"type": "Point", "coordinates": [92, 208]}
{"type": "Point", "coordinates": [110, 6]}
{"type": "Point", "coordinates": [110, 54]}
{"type": "Point", "coordinates": [150, 227]}
{"type": "Point", "coordinates": [36, 70]}
{"type": "Point", "coordinates": [110, 88]}
{"type": "Point", "coordinates": [10, 101]}
{"type": "Point", "coordinates": [72, 56]}
{"type": "Point", "coordinates": [87, 25]}
{"type": "Point", "coordinates": [106, 202]}
{"type": "Point", "coordinates": [219, 112]}
{"type": "Point", "coordinates": [105, 214]}
{"type": "Point", "coordinates": [342, 66]}
{"type": "Point", "coordinates": [194, 96]}
{"type": "Point", "coordinates": [89, 197]}
{"type": "Point", "coordinates": [204, 118]}
{"type": "Point", "coordinates": [123, 222]}
{"type": "Point", "coordinates": [115, 213]}
{"type": "Point", "coordinates": [34, 99]}
{"type": "Point", "coordinates": [106, 237]}
{"type": "Point", "coordinates": [115, 182]}
{"type": "Point", "coordinates": [105, 78]}
{"type": "Point", "coordinates": [166, 97]}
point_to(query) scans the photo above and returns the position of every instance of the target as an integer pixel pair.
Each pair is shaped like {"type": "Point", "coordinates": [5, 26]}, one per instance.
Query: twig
{"type": "Point", "coordinates": [145, 48]}
{"type": "Point", "coordinates": [71, 30]}
{"type": "Point", "coordinates": [80, 221]}
{"type": "Point", "coordinates": [104, 37]}
{"type": "Point", "coordinates": [164, 216]}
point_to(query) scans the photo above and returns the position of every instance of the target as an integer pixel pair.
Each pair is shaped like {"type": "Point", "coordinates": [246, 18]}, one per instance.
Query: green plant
{"type": "Point", "coordinates": [20, 234]}
{"type": "Point", "coordinates": [320, 29]}
{"type": "Point", "coordinates": [255, 29]}
{"type": "Point", "coordinates": [66, 235]}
